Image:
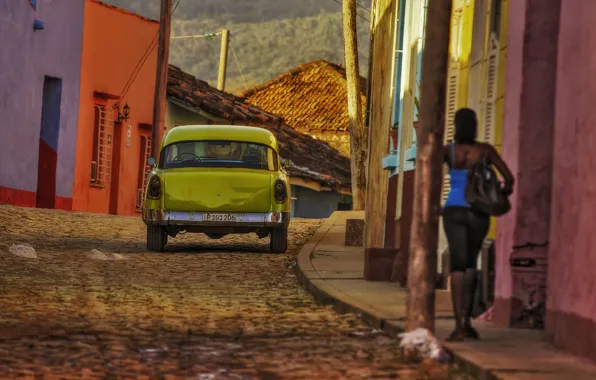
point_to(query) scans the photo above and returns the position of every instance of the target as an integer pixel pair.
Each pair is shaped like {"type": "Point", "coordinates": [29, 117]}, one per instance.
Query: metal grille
{"type": "Point", "coordinates": [144, 166]}
{"type": "Point", "coordinates": [105, 133]}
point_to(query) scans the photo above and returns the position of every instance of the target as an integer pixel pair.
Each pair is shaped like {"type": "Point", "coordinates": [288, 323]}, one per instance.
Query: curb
{"type": "Point", "coordinates": [324, 296]}
{"type": "Point", "coordinates": [306, 273]}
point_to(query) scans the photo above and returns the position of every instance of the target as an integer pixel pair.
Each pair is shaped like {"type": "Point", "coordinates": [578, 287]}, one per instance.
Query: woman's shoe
{"type": "Point", "coordinates": [470, 332]}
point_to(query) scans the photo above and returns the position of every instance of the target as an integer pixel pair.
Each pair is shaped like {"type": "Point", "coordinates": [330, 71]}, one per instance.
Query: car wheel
{"type": "Point", "coordinates": [279, 240]}
{"type": "Point", "coordinates": [157, 238]}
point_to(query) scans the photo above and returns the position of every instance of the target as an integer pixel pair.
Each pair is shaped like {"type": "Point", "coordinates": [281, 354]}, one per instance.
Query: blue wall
{"type": "Point", "coordinates": [315, 204]}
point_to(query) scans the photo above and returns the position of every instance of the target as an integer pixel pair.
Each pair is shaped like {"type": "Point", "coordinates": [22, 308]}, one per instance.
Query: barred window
{"type": "Point", "coordinates": [101, 161]}
{"type": "Point", "coordinates": [144, 154]}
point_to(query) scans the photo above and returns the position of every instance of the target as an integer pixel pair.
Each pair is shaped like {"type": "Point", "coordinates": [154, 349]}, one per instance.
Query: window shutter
{"type": "Point", "coordinates": [452, 92]}
{"type": "Point", "coordinates": [492, 73]}
{"type": "Point", "coordinates": [451, 107]}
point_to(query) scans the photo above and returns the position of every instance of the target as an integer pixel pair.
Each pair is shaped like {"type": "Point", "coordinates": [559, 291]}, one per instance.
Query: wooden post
{"type": "Point", "coordinates": [425, 221]}
{"type": "Point", "coordinates": [161, 80]}
{"type": "Point", "coordinates": [381, 109]}
{"type": "Point", "coordinates": [357, 147]}
{"type": "Point", "coordinates": [223, 60]}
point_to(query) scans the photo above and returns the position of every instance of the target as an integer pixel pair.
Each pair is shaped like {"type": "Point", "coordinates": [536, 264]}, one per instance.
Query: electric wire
{"type": "Point", "coordinates": [357, 14]}
{"type": "Point", "coordinates": [142, 61]}
{"type": "Point", "coordinates": [238, 64]}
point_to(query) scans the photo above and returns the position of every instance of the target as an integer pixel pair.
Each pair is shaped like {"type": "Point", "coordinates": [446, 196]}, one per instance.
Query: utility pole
{"type": "Point", "coordinates": [161, 80]}
{"type": "Point", "coordinates": [223, 60]}
{"type": "Point", "coordinates": [357, 148]}
{"type": "Point", "coordinates": [429, 173]}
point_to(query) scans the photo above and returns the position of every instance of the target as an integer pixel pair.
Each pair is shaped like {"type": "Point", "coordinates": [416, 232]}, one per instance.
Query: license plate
{"type": "Point", "coordinates": [222, 217]}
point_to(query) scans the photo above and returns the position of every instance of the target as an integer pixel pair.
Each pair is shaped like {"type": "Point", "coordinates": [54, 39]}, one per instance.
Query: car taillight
{"type": "Point", "coordinates": [154, 190]}
{"type": "Point", "coordinates": [281, 192]}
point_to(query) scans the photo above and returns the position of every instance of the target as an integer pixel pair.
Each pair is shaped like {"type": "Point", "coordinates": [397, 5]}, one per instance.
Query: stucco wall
{"type": "Point", "coordinates": [26, 57]}
{"type": "Point", "coordinates": [314, 204]}
{"type": "Point", "coordinates": [114, 42]}
{"type": "Point", "coordinates": [571, 318]}
{"type": "Point", "coordinates": [528, 147]}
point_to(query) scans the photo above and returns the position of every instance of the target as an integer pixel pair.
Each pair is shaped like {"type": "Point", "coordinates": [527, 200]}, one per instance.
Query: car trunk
{"type": "Point", "coordinates": [217, 189]}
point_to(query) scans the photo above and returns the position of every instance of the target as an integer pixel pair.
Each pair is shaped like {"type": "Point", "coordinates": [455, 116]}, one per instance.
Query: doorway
{"type": "Point", "coordinates": [48, 142]}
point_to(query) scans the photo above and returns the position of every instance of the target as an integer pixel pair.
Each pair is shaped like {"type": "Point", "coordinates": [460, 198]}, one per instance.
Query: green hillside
{"type": "Point", "coordinates": [269, 37]}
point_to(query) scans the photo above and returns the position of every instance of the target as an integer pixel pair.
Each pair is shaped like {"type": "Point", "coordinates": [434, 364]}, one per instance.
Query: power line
{"type": "Point", "coordinates": [142, 61]}
{"type": "Point", "coordinates": [362, 17]}
{"type": "Point", "coordinates": [363, 7]}
{"type": "Point", "coordinates": [238, 64]}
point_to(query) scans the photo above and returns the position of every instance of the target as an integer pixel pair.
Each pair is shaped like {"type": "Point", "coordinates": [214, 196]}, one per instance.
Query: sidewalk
{"type": "Point", "coordinates": [333, 273]}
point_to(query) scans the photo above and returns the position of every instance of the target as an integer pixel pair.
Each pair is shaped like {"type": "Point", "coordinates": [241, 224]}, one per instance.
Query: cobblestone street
{"type": "Point", "coordinates": [221, 309]}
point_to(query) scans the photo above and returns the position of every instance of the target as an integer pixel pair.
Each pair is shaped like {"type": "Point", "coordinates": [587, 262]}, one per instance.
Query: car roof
{"type": "Point", "coordinates": [220, 132]}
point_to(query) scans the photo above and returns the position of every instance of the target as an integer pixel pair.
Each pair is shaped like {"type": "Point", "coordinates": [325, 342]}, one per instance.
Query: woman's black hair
{"type": "Point", "coordinates": [465, 126]}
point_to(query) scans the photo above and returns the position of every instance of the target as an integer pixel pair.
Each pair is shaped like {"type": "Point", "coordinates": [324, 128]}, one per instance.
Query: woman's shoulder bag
{"type": "Point", "coordinates": [483, 190]}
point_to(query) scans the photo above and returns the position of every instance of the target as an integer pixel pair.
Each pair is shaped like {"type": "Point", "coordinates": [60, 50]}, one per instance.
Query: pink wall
{"type": "Point", "coordinates": [527, 148]}
{"type": "Point", "coordinates": [571, 316]}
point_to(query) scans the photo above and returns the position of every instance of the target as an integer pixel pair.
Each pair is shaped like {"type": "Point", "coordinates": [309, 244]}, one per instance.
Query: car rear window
{"type": "Point", "coordinates": [218, 154]}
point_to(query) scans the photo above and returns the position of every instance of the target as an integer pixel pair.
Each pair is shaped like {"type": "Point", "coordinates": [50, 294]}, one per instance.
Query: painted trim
{"type": "Point", "coordinates": [38, 24]}
{"type": "Point", "coordinates": [105, 95]}
{"type": "Point", "coordinates": [24, 198]}
{"type": "Point", "coordinates": [15, 197]}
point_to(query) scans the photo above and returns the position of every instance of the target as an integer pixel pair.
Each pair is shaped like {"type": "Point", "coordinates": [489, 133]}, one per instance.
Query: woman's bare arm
{"type": "Point", "coordinates": [502, 167]}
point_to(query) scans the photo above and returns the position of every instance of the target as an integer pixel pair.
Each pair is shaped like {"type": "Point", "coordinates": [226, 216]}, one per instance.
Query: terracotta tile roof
{"type": "Point", "coordinates": [124, 11]}
{"type": "Point", "coordinates": [314, 159]}
{"type": "Point", "coordinates": [311, 97]}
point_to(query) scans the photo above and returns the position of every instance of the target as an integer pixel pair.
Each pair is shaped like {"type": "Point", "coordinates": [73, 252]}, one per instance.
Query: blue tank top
{"type": "Point", "coordinates": [458, 179]}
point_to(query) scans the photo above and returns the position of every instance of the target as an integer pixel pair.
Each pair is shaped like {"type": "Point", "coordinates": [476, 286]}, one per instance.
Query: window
{"type": "Point", "coordinates": [144, 154]}
{"type": "Point", "coordinates": [101, 161]}
{"type": "Point", "coordinates": [495, 17]}
{"type": "Point", "coordinates": [218, 154]}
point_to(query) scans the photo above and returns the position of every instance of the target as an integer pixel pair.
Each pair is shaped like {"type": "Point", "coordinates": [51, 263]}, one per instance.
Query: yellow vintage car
{"type": "Point", "coordinates": [218, 180]}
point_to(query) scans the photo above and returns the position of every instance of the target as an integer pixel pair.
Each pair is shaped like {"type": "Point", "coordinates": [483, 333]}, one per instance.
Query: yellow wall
{"type": "Point", "coordinates": [500, 102]}
{"type": "Point", "coordinates": [467, 20]}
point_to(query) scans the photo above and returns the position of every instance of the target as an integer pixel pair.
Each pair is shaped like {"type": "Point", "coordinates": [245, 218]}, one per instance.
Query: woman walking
{"type": "Point", "coordinates": [466, 227]}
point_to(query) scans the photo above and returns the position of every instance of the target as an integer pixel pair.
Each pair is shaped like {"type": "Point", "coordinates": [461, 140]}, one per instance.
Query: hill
{"type": "Point", "coordinates": [268, 37]}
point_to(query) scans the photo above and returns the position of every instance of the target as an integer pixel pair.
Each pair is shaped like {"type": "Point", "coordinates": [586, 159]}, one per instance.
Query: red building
{"type": "Point", "coordinates": [112, 149]}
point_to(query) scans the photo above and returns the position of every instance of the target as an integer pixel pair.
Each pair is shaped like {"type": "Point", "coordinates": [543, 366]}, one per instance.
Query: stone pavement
{"type": "Point", "coordinates": [333, 273]}
{"type": "Point", "coordinates": [204, 309]}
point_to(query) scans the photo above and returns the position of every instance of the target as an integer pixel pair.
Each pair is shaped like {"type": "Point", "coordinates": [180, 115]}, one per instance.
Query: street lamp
{"type": "Point", "coordinates": [126, 114]}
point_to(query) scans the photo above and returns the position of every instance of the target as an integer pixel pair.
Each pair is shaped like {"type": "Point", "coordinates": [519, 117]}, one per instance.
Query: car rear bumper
{"type": "Point", "coordinates": [185, 218]}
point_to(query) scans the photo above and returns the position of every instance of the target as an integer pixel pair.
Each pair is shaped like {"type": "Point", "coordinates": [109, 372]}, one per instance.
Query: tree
{"type": "Point", "coordinates": [357, 130]}
{"type": "Point", "coordinates": [429, 160]}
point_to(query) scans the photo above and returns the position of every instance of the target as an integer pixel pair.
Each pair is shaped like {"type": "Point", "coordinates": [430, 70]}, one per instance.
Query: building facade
{"type": "Point", "coordinates": [111, 149]}
{"type": "Point", "coordinates": [39, 96]}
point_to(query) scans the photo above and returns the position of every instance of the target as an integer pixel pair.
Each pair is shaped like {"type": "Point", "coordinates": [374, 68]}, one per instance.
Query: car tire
{"type": "Point", "coordinates": [279, 240]}
{"type": "Point", "coordinates": [157, 238]}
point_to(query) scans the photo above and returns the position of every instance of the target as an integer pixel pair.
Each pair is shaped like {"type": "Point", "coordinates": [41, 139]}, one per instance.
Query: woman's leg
{"type": "Point", "coordinates": [478, 225]}
{"type": "Point", "coordinates": [455, 230]}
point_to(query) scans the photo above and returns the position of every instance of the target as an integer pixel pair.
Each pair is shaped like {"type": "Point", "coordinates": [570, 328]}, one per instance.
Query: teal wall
{"type": "Point", "coordinates": [180, 115]}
